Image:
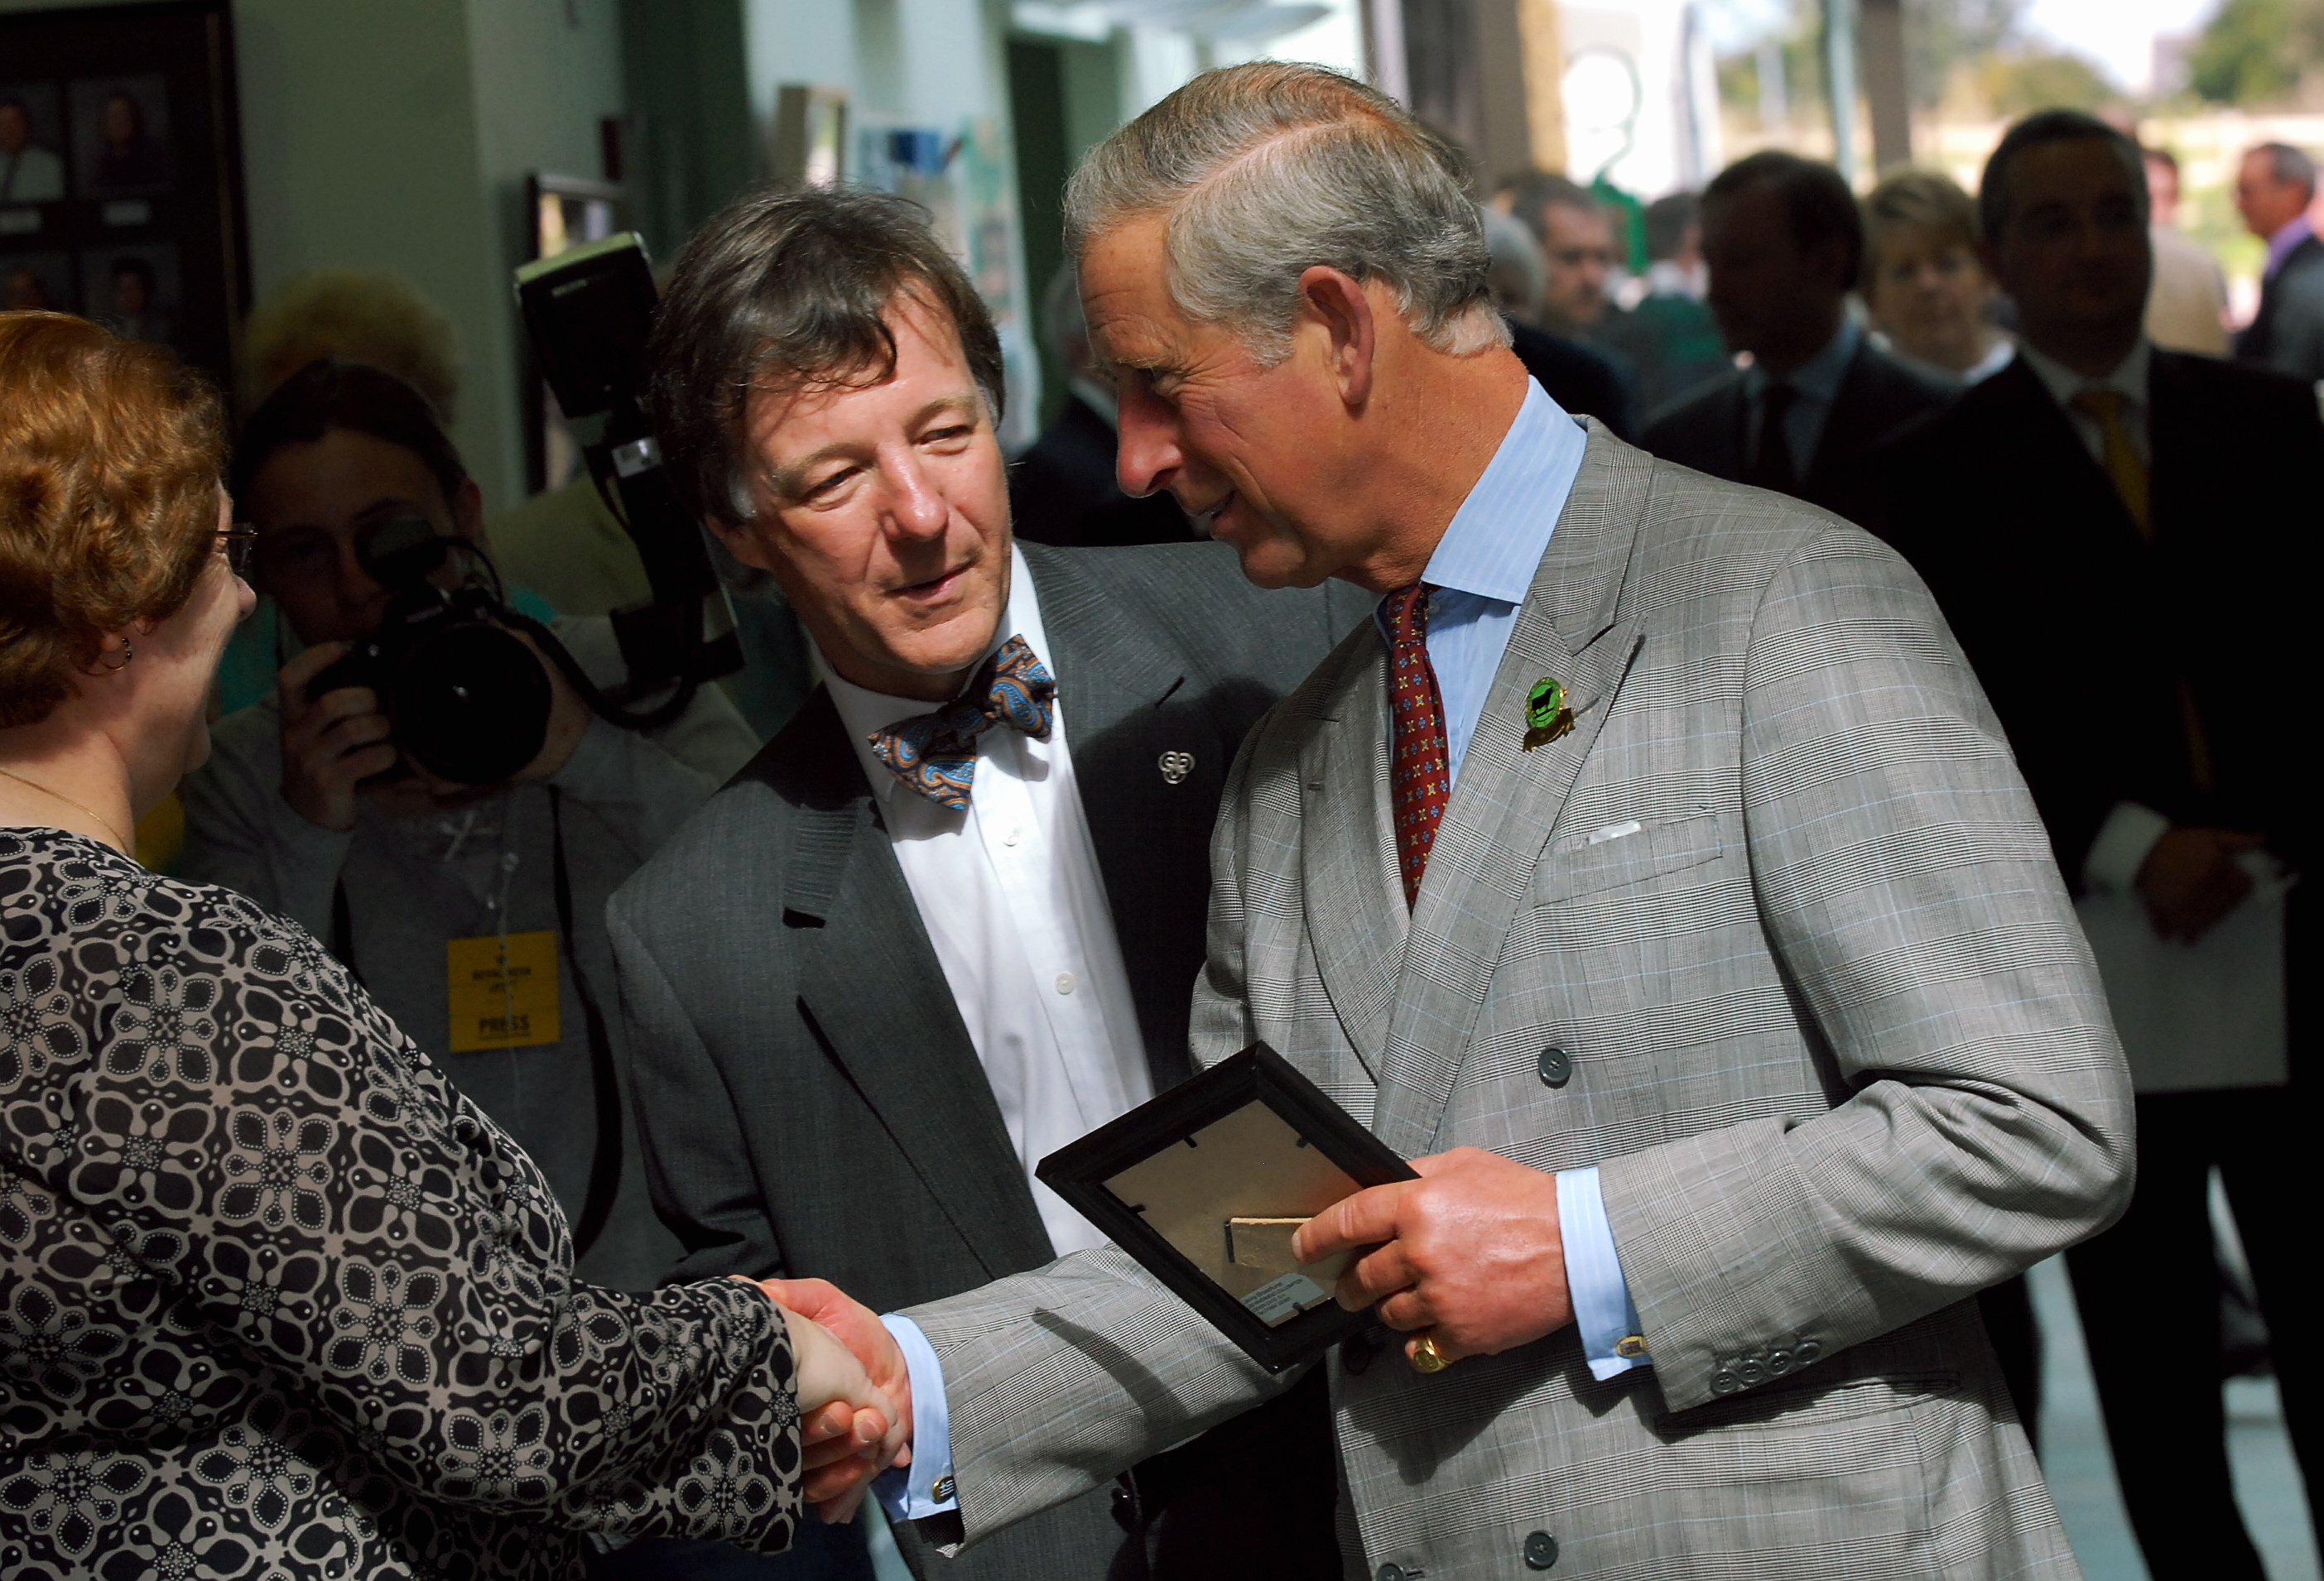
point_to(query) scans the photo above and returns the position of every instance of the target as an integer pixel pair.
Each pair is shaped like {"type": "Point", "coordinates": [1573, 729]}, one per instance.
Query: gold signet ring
{"type": "Point", "coordinates": [1427, 1358]}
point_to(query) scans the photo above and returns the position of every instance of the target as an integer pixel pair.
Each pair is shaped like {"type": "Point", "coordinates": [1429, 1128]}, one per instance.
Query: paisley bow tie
{"type": "Point", "coordinates": [936, 753]}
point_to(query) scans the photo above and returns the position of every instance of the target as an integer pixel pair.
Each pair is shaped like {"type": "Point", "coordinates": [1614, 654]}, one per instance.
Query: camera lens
{"type": "Point", "coordinates": [470, 704]}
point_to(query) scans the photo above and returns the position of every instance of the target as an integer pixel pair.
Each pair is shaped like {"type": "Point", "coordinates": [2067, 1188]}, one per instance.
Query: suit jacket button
{"type": "Point", "coordinates": [1806, 1351]}
{"type": "Point", "coordinates": [1556, 1066]}
{"type": "Point", "coordinates": [1540, 1550]}
{"type": "Point", "coordinates": [1751, 1371]}
{"type": "Point", "coordinates": [1355, 1354]}
{"type": "Point", "coordinates": [1723, 1382]}
{"type": "Point", "coordinates": [1388, 1573]}
{"type": "Point", "coordinates": [1779, 1362]}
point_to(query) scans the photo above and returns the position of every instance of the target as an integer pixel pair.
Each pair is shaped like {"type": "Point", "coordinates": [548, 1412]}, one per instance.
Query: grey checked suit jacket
{"type": "Point", "coordinates": [809, 1102]}
{"type": "Point", "coordinates": [1836, 1044]}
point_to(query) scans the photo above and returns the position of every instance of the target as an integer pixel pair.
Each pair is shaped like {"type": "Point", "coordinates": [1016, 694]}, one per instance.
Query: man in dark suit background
{"type": "Point", "coordinates": [874, 985]}
{"type": "Point", "coordinates": [2117, 535]}
{"type": "Point", "coordinates": [2274, 189]}
{"type": "Point", "coordinates": [1784, 244]}
{"type": "Point", "coordinates": [1062, 490]}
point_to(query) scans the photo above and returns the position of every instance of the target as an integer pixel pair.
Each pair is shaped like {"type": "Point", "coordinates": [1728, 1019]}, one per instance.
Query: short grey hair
{"type": "Point", "coordinates": [1267, 170]}
{"type": "Point", "coordinates": [2290, 166]}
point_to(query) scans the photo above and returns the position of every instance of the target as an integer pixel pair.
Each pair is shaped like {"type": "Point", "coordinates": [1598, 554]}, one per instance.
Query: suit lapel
{"type": "Point", "coordinates": [877, 997]}
{"type": "Point", "coordinates": [1506, 799]}
{"type": "Point", "coordinates": [1354, 894]}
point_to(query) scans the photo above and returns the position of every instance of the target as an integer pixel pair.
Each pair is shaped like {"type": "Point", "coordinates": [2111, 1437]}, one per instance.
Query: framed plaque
{"type": "Point", "coordinates": [1206, 1184]}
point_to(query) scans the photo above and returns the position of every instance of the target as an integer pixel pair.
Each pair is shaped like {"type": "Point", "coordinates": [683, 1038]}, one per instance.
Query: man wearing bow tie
{"type": "Point", "coordinates": [949, 919]}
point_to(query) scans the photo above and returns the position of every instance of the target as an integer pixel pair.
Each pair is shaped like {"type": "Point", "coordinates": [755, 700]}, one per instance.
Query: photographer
{"type": "Point", "coordinates": [473, 912]}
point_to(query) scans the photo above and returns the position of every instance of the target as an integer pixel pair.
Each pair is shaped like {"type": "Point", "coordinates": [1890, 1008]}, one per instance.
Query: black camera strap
{"type": "Point", "coordinates": [605, 1162]}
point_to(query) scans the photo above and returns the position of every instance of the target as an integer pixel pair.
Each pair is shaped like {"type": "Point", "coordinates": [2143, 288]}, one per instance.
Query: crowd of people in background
{"type": "Point", "coordinates": [2032, 391]}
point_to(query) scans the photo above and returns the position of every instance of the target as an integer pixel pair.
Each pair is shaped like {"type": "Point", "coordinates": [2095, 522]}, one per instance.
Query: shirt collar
{"type": "Point", "coordinates": [2129, 379]}
{"type": "Point", "coordinates": [1819, 377]}
{"type": "Point", "coordinates": [864, 713]}
{"type": "Point", "coordinates": [2288, 236]}
{"type": "Point", "coordinates": [1495, 541]}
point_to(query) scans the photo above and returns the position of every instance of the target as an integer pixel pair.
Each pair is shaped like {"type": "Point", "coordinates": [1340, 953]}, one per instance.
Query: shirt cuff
{"type": "Point", "coordinates": [925, 1487]}
{"type": "Point", "coordinates": [1602, 1310]}
{"type": "Point", "coordinates": [2123, 844]}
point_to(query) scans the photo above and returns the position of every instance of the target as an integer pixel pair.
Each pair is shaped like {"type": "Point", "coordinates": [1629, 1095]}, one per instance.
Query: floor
{"type": "Point", "coordinates": [2081, 1474]}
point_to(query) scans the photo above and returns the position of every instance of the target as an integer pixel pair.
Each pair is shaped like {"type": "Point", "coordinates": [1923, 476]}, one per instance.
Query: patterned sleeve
{"type": "Point", "coordinates": [257, 1135]}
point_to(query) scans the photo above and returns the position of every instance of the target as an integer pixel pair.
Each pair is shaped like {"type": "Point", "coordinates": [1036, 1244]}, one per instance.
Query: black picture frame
{"type": "Point", "coordinates": [1079, 1172]}
{"type": "Point", "coordinates": [139, 221]}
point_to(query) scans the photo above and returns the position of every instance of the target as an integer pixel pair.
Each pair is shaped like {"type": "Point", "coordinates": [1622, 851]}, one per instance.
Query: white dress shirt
{"type": "Point", "coordinates": [1011, 898]}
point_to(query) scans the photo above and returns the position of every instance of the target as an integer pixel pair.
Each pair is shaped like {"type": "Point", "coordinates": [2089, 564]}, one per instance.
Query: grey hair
{"type": "Point", "coordinates": [2290, 166]}
{"type": "Point", "coordinates": [1267, 170]}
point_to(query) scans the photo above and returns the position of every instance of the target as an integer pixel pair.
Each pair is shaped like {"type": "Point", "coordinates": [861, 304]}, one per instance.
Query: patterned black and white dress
{"type": "Point", "coordinates": [277, 1302]}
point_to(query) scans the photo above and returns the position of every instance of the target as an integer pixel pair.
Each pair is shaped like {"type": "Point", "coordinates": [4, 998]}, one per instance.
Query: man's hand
{"type": "Point", "coordinates": [330, 744]}
{"type": "Point", "coordinates": [1472, 1253]}
{"type": "Point", "coordinates": [2192, 879]}
{"type": "Point", "coordinates": [854, 1427]}
{"type": "Point", "coordinates": [839, 1465]}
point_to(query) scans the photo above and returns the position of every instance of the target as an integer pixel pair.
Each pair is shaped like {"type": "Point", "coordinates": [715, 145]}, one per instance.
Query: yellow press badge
{"type": "Point", "coordinates": [502, 990]}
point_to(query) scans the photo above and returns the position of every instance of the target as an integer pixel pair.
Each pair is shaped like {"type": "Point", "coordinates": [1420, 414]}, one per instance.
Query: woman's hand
{"type": "Point", "coordinates": [851, 1430]}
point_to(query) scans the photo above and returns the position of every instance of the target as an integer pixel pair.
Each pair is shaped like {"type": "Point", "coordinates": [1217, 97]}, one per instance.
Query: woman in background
{"type": "Point", "coordinates": [1924, 285]}
{"type": "Point", "coordinates": [274, 1299]}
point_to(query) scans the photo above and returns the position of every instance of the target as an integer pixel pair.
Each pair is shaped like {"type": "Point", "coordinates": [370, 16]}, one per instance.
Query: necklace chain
{"type": "Point", "coordinates": [104, 823]}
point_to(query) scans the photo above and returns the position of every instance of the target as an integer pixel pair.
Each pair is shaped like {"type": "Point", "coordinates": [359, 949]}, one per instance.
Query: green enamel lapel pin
{"type": "Point", "coordinates": [1546, 716]}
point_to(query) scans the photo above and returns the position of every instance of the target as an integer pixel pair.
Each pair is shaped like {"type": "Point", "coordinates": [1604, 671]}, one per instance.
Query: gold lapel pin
{"type": "Point", "coordinates": [1546, 716]}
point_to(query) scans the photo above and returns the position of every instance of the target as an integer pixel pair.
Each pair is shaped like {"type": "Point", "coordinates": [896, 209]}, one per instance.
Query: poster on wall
{"type": "Point", "coordinates": [121, 173]}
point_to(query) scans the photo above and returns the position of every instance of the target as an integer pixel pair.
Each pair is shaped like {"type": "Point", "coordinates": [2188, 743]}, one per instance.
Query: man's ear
{"type": "Point", "coordinates": [742, 540]}
{"type": "Point", "coordinates": [1341, 306]}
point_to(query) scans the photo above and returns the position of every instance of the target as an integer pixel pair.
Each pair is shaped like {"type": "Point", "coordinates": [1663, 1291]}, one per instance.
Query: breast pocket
{"type": "Point", "coordinates": [1626, 852]}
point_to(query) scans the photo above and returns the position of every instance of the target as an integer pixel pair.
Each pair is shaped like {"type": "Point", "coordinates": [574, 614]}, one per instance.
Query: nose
{"type": "Point", "coordinates": [359, 595]}
{"type": "Point", "coordinates": [1148, 453]}
{"type": "Point", "coordinates": [916, 507]}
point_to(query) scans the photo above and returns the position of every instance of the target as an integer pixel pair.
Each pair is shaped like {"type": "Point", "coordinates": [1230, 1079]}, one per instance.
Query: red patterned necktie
{"type": "Point", "coordinates": [1418, 772]}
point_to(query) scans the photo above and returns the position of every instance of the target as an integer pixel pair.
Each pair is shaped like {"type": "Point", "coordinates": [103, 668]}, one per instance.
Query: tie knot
{"type": "Point", "coordinates": [2105, 405]}
{"type": "Point", "coordinates": [1407, 612]}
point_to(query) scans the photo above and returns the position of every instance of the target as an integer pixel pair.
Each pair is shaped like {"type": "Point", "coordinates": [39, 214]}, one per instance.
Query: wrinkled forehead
{"type": "Point", "coordinates": [1125, 298]}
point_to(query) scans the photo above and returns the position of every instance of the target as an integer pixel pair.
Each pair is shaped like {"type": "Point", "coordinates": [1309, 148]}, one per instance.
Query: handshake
{"type": "Point", "coordinates": [854, 1393]}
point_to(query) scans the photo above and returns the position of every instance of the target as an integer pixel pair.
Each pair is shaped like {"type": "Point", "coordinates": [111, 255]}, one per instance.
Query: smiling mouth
{"type": "Point", "coordinates": [1207, 518]}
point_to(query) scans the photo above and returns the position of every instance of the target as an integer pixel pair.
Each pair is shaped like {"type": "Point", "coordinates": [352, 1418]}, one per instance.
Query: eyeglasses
{"type": "Point", "coordinates": [239, 544]}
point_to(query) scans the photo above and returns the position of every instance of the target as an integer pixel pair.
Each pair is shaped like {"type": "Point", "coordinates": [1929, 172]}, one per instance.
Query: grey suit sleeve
{"type": "Point", "coordinates": [1907, 886]}
{"type": "Point", "coordinates": [698, 1166]}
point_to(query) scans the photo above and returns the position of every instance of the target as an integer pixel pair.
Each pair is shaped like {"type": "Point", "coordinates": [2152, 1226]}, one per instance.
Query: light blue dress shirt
{"type": "Point", "coordinates": [1817, 381]}
{"type": "Point", "coordinates": [1481, 570]}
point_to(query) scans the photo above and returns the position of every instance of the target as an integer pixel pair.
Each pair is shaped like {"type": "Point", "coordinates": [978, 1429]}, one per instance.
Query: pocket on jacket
{"type": "Point", "coordinates": [1629, 852]}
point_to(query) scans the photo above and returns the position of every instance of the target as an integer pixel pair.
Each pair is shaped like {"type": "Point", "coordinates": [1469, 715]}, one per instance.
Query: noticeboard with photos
{"type": "Point", "coordinates": [120, 173]}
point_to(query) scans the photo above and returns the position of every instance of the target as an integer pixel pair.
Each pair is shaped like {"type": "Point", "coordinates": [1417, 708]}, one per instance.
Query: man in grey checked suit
{"type": "Point", "coordinates": [1741, 1027]}
{"type": "Point", "coordinates": [832, 971]}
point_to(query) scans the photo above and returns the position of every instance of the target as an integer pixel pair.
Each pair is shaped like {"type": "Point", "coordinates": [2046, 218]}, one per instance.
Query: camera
{"type": "Point", "coordinates": [588, 313]}
{"type": "Point", "coordinates": [468, 701]}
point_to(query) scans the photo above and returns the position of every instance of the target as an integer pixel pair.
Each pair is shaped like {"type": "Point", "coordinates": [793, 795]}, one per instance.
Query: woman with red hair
{"type": "Point", "coordinates": [274, 1299]}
